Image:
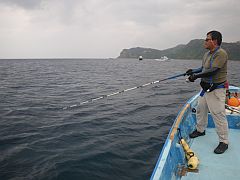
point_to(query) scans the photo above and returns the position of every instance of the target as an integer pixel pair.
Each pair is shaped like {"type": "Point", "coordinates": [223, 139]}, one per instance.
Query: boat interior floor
{"type": "Point", "coordinates": [216, 166]}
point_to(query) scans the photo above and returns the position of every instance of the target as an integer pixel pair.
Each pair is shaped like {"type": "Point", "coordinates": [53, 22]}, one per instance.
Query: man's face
{"type": "Point", "coordinates": [208, 44]}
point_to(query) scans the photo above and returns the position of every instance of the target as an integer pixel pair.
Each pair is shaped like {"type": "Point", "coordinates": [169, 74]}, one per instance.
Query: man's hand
{"type": "Point", "coordinates": [189, 72]}
{"type": "Point", "coordinates": [192, 77]}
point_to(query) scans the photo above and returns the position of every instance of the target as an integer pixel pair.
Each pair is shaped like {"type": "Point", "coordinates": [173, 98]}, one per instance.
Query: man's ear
{"type": "Point", "coordinates": [215, 42]}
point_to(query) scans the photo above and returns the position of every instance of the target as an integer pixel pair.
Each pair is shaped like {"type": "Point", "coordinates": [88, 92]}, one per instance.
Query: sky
{"type": "Point", "coordinates": [102, 28]}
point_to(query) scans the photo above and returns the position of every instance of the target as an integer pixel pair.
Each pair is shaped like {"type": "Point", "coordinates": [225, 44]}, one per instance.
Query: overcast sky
{"type": "Point", "coordinates": [102, 28]}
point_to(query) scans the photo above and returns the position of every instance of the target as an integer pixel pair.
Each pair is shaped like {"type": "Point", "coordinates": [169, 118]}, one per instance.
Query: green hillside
{"type": "Point", "coordinates": [193, 50]}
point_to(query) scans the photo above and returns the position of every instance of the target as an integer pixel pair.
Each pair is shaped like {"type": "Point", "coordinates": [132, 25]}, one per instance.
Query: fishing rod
{"type": "Point", "coordinates": [122, 91]}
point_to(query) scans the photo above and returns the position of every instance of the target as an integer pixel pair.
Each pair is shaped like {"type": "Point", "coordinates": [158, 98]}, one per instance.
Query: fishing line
{"type": "Point", "coordinates": [120, 92]}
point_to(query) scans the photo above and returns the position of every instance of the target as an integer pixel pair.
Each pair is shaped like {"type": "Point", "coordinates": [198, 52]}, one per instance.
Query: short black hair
{"type": "Point", "coordinates": [216, 36]}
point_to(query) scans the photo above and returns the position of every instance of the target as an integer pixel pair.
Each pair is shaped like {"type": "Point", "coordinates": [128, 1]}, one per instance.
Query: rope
{"type": "Point", "coordinates": [232, 109]}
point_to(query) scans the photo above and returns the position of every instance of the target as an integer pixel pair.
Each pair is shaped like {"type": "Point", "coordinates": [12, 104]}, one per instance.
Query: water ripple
{"type": "Point", "coordinates": [119, 137]}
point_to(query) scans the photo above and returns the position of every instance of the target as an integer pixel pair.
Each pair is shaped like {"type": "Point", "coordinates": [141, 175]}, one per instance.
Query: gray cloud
{"type": "Point", "coordinates": [26, 4]}
{"type": "Point", "coordinates": [101, 28]}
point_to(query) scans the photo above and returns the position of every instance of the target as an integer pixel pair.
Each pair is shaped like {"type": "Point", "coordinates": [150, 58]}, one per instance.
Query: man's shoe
{"type": "Point", "coordinates": [221, 148]}
{"type": "Point", "coordinates": [195, 134]}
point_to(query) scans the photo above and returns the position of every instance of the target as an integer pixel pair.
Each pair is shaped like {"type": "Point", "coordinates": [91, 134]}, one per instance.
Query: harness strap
{"type": "Point", "coordinates": [211, 61]}
{"type": "Point", "coordinates": [212, 88]}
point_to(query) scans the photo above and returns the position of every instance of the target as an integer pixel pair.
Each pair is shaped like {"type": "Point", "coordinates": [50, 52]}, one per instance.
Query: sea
{"type": "Point", "coordinates": [47, 134]}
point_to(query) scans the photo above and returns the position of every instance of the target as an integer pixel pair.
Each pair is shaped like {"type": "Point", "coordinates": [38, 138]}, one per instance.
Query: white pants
{"type": "Point", "coordinates": [215, 103]}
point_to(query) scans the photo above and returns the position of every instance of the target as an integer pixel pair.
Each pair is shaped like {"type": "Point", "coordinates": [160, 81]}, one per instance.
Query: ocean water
{"type": "Point", "coordinates": [119, 137]}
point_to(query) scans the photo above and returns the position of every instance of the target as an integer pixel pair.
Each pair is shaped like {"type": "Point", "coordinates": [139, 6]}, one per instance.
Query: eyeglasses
{"type": "Point", "coordinates": [207, 39]}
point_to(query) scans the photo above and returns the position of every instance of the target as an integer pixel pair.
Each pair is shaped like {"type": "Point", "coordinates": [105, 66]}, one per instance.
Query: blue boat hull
{"type": "Point", "coordinates": [172, 158]}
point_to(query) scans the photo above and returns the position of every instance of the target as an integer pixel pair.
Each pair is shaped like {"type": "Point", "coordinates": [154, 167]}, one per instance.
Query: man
{"type": "Point", "coordinates": [213, 74]}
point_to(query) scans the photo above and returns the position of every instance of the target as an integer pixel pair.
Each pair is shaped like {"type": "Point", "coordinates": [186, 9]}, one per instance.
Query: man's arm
{"type": "Point", "coordinates": [207, 73]}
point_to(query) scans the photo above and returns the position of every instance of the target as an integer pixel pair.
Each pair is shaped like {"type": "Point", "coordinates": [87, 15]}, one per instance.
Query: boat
{"type": "Point", "coordinates": [163, 58]}
{"type": "Point", "coordinates": [140, 58]}
{"type": "Point", "coordinates": [173, 162]}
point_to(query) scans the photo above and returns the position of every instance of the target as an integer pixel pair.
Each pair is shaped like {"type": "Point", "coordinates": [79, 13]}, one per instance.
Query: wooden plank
{"type": "Point", "coordinates": [174, 130]}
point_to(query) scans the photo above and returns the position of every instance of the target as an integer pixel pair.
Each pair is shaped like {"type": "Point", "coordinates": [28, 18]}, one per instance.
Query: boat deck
{"type": "Point", "coordinates": [216, 166]}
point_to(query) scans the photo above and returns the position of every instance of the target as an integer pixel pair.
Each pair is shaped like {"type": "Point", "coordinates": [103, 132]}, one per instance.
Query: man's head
{"type": "Point", "coordinates": [214, 39]}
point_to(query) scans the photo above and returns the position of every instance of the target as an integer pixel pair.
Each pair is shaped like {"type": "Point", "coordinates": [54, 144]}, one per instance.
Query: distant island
{"type": "Point", "coordinates": [193, 50]}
